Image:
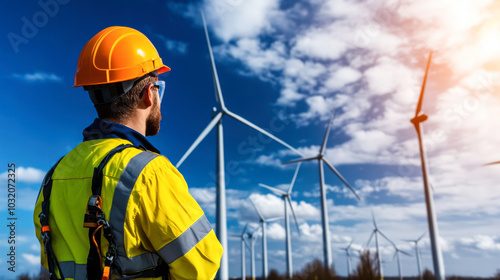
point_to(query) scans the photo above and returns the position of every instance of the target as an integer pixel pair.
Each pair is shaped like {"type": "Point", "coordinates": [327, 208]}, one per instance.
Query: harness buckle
{"type": "Point", "coordinates": [94, 213]}
{"type": "Point", "coordinates": [46, 240]}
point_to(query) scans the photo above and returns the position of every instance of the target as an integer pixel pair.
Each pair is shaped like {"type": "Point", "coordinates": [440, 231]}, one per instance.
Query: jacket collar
{"type": "Point", "coordinates": [102, 129]}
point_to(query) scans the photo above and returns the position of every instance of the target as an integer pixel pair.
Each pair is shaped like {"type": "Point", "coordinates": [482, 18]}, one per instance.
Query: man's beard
{"type": "Point", "coordinates": [153, 120]}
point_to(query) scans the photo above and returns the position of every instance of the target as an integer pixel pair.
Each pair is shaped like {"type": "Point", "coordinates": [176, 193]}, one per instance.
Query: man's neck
{"type": "Point", "coordinates": [134, 123]}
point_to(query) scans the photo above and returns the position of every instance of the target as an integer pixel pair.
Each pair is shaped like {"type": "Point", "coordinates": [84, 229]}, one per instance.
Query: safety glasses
{"type": "Point", "coordinates": [161, 88]}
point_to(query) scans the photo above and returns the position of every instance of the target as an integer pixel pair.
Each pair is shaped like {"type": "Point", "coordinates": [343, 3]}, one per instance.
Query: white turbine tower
{"type": "Point", "coordinates": [324, 211]}
{"type": "Point", "coordinates": [263, 222]}
{"type": "Point", "coordinates": [253, 238]}
{"type": "Point", "coordinates": [221, 224]}
{"type": "Point", "coordinates": [375, 232]}
{"type": "Point", "coordinates": [417, 253]}
{"type": "Point", "coordinates": [243, 244]}
{"type": "Point", "coordinates": [287, 200]}
{"type": "Point", "coordinates": [437, 256]}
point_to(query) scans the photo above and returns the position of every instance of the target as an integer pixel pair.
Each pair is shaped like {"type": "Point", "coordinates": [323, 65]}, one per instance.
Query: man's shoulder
{"type": "Point", "coordinates": [81, 160]}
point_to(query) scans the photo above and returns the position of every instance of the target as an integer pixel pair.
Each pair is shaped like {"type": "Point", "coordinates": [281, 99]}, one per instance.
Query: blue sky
{"type": "Point", "coordinates": [284, 65]}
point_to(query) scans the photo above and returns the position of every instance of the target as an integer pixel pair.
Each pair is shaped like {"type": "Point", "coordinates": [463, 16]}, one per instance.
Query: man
{"type": "Point", "coordinates": [113, 207]}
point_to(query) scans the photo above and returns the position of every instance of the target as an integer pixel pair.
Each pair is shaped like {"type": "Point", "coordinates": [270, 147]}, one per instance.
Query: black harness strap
{"type": "Point", "coordinates": [44, 222]}
{"type": "Point", "coordinates": [95, 220]}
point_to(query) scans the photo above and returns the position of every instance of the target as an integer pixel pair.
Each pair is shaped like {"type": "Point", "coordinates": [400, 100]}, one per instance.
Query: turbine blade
{"type": "Point", "coordinates": [275, 190]}
{"type": "Point", "coordinates": [294, 177]}
{"type": "Point", "coordinates": [370, 239]}
{"type": "Point", "coordinates": [204, 133]}
{"type": "Point", "coordinates": [373, 219]}
{"type": "Point", "coordinates": [408, 240]}
{"type": "Point", "coordinates": [387, 238]}
{"type": "Point", "coordinates": [274, 219]}
{"type": "Point", "coordinates": [341, 178]}
{"type": "Point", "coordinates": [492, 163]}
{"type": "Point", "coordinates": [293, 212]}
{"type": "Point", "coordinates": [325, 139]}
{"type": "Point", "coordinates": [421, 237]}
{"type": "Point", "coordinates": [244, 121]}
{"type": "Point", "coordinates": [300, 160]}
{"type": "Point", "coordinates": [248, 246]}
{"type": "Point", "coordinates": [254, 232]}
{"type": "Point", "coordinates": [244, 229]}
{"type": "Point", "coordinates": [420, 100]}
{"type": "Point", "coordinates": [350, 243]}
{"type": "Point", "coordinates": [405, 253]}
{"type": "Point", "coordinates": [257, 210]}
{"type": "Point", "coordinates": [218, 92]}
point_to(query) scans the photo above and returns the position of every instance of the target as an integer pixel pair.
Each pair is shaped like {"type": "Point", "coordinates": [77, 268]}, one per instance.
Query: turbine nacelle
{"type": "Point", "coordinates": [419, 119]}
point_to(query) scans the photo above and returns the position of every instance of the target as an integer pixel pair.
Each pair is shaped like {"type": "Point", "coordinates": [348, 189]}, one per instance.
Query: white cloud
{"type": "Point", "coordinates": [342, 77]}
{"type": "Point", "coordinates": [38, 77]}
{"type": "Point", "coordinates": [203, 196]}
{"type": "Point", "coordinates": [321, 43]}
{"type": "Point", "coordinates": [257, 58]}
{"type": "Point", "coordinates": [241, 19]}
{"type": "Point", "coordinates": [339, 9]}
{"type": "Point", "coordinates": [389, 76]}
{"type": "Point", "coordinates": [31, 259]}
{"type": "Point", "coordinates": [176, 46]}
{"type": "Point", "coordinates": [26, 175]}
{"type": "Point", "coordinates": [275, 231]}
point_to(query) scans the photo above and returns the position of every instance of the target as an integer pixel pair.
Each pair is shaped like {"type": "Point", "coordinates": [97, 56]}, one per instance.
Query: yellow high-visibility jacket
{"type": "Point", "coordinates": [147, 203]}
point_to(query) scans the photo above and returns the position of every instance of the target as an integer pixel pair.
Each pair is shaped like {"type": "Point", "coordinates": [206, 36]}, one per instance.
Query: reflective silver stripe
{"type": "Point", "coordinates": [121, 196]}
{"type": "Point", "coordinates": [72, 270]}
{"type": "Point", "coordinates": [137, 263]}
{"type": "Point", "coordinates": [186, 241]}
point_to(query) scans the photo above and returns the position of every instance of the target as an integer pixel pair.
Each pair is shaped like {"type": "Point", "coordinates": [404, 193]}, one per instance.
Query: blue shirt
{"type": "Point", "coordinates": [102, 129]}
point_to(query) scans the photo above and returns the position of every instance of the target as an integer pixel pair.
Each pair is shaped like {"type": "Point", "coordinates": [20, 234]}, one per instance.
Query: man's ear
{"type": "Point", "coordinates": [148, 95]}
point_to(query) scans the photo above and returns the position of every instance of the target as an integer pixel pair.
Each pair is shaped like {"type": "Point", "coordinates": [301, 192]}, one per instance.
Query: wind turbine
{"type": "Point", "coordinates": [348, 256]}
{"type": "Point", "coordinates": [253, 238]}
{"type": "Point", "coordinates": [221, 223]}
{"type": "Point", "coordinates": [375, 232]}
{"type": "Point", "coordinates": [264, 239]}
{"type": "Point", "coordinates": [417, 253]}
{"type": "Point", "coordinates": [437, 256]}
{"type": "Point", "coordinates": [324, 211]}
{"type": "Point", "coordinates": [286, 198]}
{"type": "Point", "coordinates": [243, 243]}
{"type": "Point", "coordinates": [396, 254]}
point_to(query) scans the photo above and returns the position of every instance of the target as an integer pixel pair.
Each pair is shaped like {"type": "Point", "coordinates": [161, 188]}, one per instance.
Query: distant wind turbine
{"type": "Point", "coordinates": [396, 254]}
{"type": "Point", "coordinates": [287, 200]}
{"type": "Point", "coordinates": [221, 223]}
{"type": "Point", "coordinates": [348, 256]}
{"type": "Point", "coordinates": [324, 211]}
{"type": "Point", "coordinates": [437, 256]}
{"type": "Point", "coordinates": [243, 243]}
{"type": "Point", "coordinates": [253, 238]}
{"type": "Point", "coordinates": [375, 232]}
{"type": "Point", "coordinates": [263, 222]}
{"type": "Point", "coordinates": [417, 253]}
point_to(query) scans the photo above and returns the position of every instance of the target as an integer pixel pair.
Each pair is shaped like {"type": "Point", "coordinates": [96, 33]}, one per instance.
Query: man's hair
{"type": "Point", "coordinates": [122, 107]}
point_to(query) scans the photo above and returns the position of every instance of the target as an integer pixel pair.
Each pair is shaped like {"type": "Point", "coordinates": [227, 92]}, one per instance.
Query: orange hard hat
{"type": "Point", "coordinates": [117, 54]}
